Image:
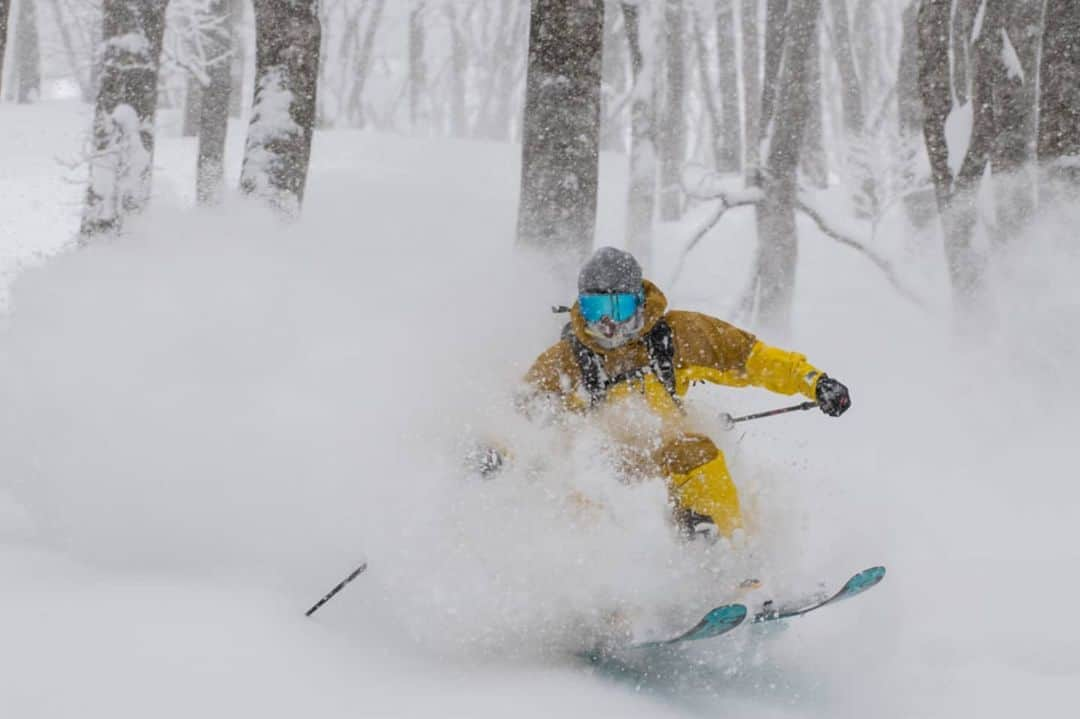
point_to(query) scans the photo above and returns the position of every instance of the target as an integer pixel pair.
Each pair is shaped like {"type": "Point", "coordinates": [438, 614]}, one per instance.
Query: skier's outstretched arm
{"type": "Point", "coordinates": [718, 352]}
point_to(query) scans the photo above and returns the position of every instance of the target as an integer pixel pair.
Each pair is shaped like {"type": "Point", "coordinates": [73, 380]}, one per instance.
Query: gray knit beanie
{"type": "Point", "coordinates": [610, 270]}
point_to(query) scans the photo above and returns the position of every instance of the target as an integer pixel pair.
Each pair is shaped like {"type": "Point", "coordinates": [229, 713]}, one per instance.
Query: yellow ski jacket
{"type": "Point", "coordinates": [706, 350]}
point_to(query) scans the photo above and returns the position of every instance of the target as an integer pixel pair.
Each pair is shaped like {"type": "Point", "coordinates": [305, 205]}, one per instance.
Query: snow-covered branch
{"type": "Point", "coordinates": [831, 231]}
{"type": "Point", "coordinates": [727, 200]}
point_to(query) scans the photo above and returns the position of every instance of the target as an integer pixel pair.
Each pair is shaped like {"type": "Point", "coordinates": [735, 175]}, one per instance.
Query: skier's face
{"type": "Point", "coordinates": [610, 334]}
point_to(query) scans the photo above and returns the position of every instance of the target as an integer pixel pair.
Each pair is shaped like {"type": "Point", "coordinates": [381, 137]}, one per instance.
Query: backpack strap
{"type": "Point", "coordinates": [593, 376]}
{"type": "Point", "coordinates": [659, 341]}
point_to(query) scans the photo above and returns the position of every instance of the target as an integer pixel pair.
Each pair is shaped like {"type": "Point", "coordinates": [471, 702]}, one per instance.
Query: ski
{"type": "Point", "coordinates": [720, 620]}
{"type": "Point", "coordinates": [864, 580]}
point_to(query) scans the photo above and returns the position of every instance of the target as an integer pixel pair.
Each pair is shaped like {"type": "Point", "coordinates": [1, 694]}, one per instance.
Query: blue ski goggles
{"type": "Point", "coordinates": [619, 306]}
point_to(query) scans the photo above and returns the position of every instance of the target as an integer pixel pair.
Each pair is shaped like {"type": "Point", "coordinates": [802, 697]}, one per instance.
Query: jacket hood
{"type": "Point", "coordinates": [655, 307]}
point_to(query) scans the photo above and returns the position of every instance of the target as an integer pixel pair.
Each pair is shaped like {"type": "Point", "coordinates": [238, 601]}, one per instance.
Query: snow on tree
{"type": "Point", "coordinates": [122, 142]}
{"type": "Point", "coordinates": [278, 148]}
{"type": "Point", "coordinates": [561, 132]}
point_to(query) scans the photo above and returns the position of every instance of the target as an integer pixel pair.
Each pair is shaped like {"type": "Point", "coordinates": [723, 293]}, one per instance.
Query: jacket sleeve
{"type": "Point", "coordinates": [711, 350]}
{"type": "Point", "coordinates": [551, 382]}
{"type": "Point", "coordinates": [781, 371]}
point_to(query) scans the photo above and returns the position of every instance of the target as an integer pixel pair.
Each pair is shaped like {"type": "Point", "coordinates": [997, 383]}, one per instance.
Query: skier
{"type": "Point", "coordinates": [622, 345]}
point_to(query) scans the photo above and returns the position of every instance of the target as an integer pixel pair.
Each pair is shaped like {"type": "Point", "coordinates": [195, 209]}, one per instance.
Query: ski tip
{"type": "Point", "coordinates": [864, 580]}
{"type": "Point", "coordinates": [727, 615]}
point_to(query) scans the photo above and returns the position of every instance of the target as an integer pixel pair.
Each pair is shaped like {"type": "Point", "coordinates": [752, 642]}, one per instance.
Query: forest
{"type": "Point", "coordinates": [274, 280]}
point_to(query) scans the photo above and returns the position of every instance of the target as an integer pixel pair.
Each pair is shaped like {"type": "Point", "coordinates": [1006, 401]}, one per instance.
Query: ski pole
{"type": "Point", "coordinates": [330, 595]}
{"type": "Point", "coordinates": [730, 422]}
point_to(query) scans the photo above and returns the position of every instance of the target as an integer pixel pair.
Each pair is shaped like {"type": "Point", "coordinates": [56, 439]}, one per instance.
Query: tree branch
{"type": "Point", "coordinates": [749, 196]}
{"type": "Point", "coordinates": [882, 264]}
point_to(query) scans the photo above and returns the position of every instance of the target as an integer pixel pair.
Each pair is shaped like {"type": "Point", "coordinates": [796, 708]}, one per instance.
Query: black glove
{"type": "Point", "coordinates": [832, 397]}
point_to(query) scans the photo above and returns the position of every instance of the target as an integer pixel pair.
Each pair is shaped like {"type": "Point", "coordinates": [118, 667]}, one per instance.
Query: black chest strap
{"type": "Point", "coordinates": [660, 344]}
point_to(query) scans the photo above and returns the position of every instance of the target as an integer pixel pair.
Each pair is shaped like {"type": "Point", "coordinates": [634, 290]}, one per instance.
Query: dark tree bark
{"type": "Point", "coordinates": [1015, 99]}
{"type": "Point", "coordinates": [5, 8]}
{"type": "Point", "coordinates": [777, 253]}
{"type": "Point", "coordinates": [1059, 100]}
{"type": "Point", "coordinates": [27, 54]}
{"type": "Point", "coordinates": [751, 76]}
{"type": "Point", "coordinates": [641, 202]}
{"type": "Point", "coordinates": [730, 157]}
{"type": "Point", "coordinates": [214, 109]}
{"type": "Point", "coordinates": [561, 129]}
{"type": "Point", "coordinates": [935, 86]}
{"type": "Point", "coordinates": [287, 36]}
{"type": "Point", "coordinates": [984, 72]}
{"type": "Point", "coordinates": [852, 97]}
{"type": "Point", "coordinates": [775, 31]}
{"type": "Point", "coordinates": [122, 159]}
{"type": "Point", "coordinates": [417, 67]}
{"type": "Point", "coordinates": [672, 131]}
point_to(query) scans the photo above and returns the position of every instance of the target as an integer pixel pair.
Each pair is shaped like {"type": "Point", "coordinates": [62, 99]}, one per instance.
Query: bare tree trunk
{"type": "Point", "coordinates": [852, 96]}
{"type": "Point", "coordinates": [459, 59]}
{"type": "Point", "coordinates": [192, 107]}
{"type": "Point", "coordinates": [957, 196]}
{"type": "Point", "coordinates": [814, 162]}
{"type": "Point", "coordinates": [918, 205]}
{"type": "Point", "coordinates": [417, 67]}
{"type": "Point", "coordinates": [712, 109]}
{"type": "Point", "coordinates": [214, 108]}
{"type": "Point", "coordinates": [672, 131]}
{"type": "Point", "coordinates": [909, 103]}
{"type": "Point", "coordinates": [1015, 99]}
{"type": "Point", "coordinates": [122, 159]}
{"type": "Point", "coordinates": [935, 85]}
{"type": "Point", "coordinates": [751, 75]}
{"type": "Point", "coordinates": [278, 145]}
{"type": "Point", "coordinates": [730, 159]}
{"type": "Point", "coordinates": [1059, 101]}
{"type": "Point", "coordinates": [777, 239]}
{"type": "Point", "coordinates": [239, 61]}
{"type": "Point", "coordinates": [984, 72]}
{"type": "Point", "coordinates": [775, 30]}
{"type": "Point", "coordinates": [363, 65]}
{"type": "Point", "coordinates": [5, 8]}
{"type": "Point", "coordinates": [27, 54]}
{"type": "Point", "coordinates": [561, 129]}
{"type": "Point", "coordinates": [640, 25]}
{"type": "Point", "coordinates": [509, 71]}
{"type": "Point", "coordinates": [615, 82]}
{"type": "Point", "coordinates": [66, 40]}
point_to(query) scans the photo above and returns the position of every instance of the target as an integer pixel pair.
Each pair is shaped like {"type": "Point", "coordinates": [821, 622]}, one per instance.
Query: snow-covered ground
{"type": "Point", "coordinates": [206, 424]}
